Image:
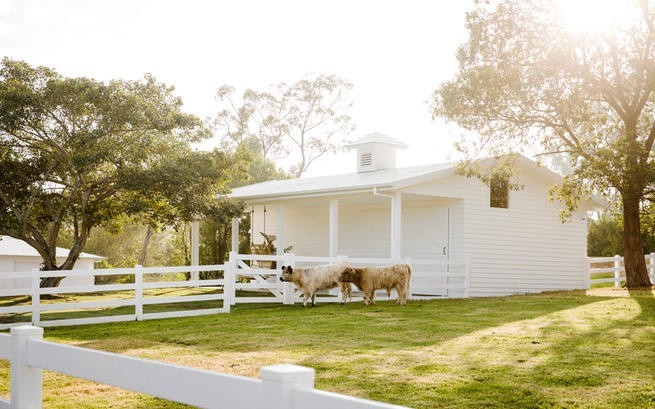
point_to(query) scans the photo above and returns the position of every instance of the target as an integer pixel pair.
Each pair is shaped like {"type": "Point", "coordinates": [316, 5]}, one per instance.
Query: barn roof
{"type": "Point", "coordinates": [394, 178]}
{"type": "Point", "coordinates": [10, 246]}
{"type": "Point", "coordinates": [387, 178]}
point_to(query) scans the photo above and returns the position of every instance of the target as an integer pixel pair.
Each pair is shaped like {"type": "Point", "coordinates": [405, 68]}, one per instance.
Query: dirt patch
{"type": "Point", "coordinates": [617, 292]}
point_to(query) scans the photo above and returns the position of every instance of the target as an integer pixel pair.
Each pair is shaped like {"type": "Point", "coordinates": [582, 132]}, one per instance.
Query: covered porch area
{"type": "Point", "coordinates": [384, 225]}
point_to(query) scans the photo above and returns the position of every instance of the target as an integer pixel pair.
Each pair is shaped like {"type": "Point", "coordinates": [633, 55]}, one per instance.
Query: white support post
{"type": "Point", "coordinates": [26, 383]}
{"type": "Point", "coordinates": [138, 292]}
{"type": "Point", "coordinates": [651, 268]}
{"type": "Point", "coordinates": [235, 234]}
{"type": "Point", "coordinates": [229, 277]}
{"type": "Point", "coordinates": [281, 227]}
{"type": "Point", "coordinates": [396, 225]}
{"type": "Point", "coordinates": [195, 248]}
{"type": "Point", "coordinates": [279, 382]}
{"type": "Point", "coordinates": [36, 297]}
{"type": "Point", "coordinates": [617, 271]}
{"type": "Point", "coordinates": [334, 228]}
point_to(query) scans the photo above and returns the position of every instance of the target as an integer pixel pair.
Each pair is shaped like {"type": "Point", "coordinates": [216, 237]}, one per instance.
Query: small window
{"type": "Point", "coordinates": [499, 192]}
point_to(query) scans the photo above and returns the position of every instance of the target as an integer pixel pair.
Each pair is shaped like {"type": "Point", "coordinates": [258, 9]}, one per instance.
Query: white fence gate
{"type": "Point", "coordinates": [245, 278]}
{"type": "Point", "coordinates": [612, 269]}
{"type": "Point", "coordinates": [279, 386]}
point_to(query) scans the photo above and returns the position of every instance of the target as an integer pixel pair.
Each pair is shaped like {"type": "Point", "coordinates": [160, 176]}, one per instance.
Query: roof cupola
{"type": "Point", "coordinates": [376, 151]}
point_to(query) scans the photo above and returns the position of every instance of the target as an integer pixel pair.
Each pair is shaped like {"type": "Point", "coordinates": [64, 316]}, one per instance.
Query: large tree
{"type": "Point", "coordinates": [302, 120]}
{"type": "Point", "coordinates": [78, 153]}
{"type": "Point", "coordinates": [526, 80]}
{"type": "Point", "coordinates": [216, 227]}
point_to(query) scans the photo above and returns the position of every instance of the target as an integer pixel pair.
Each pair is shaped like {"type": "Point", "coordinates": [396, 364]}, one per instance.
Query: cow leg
{"type": "Point", "coordinates": [371, 297]}
{"type": "Point", "coordinates": [314, 300]}
{"type": "Point", "coordinates": [304, 299]}
{"type": "Point", "coordinates": [346, 292]}
{"type": "Point", "coordinates": [402, 295]}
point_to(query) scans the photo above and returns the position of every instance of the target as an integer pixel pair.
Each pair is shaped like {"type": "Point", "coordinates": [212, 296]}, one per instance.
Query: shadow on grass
{"type": "Point", "coordinates": [253, 327]}
{"type": "Point", "coordinates": [600, 356]}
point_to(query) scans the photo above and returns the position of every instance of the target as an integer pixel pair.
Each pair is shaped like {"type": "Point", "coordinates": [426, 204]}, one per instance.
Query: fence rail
{"type": "Point", "coordinates": [279, 386]}
{"type": "Point", "coordinates": [612, 269]}
{"type": "Point", "coordinates": [130, 295]}
{"type": "Point", "coordinates": [246, 278]}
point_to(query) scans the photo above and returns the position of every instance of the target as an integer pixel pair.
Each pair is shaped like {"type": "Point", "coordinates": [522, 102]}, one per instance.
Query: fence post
{"type": "Point", "coordinates": [231, 288]}
{"type": "Point", "coordinates": [279, 382]}
{"type": "Point", "coordinates": [26, 384]}
{"type": "Point", "coordinates": [138, 292]}
{"type": "Point", "coordinates": [36, 296]}
{"type": "Point", "coordinates": [229, 277]}
{"type": "Point", "coordinates": [617, 271]}
{"type": "Point", "coordinates": [651, 268]}
{"type": "Point", "coordinates": [287, 290]}
{"type": "Point", "coordinates": [467, 279]}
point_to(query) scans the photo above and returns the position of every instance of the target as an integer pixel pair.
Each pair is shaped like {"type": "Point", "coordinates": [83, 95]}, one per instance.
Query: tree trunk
{"type": "Point", "coordinates": [144, 246]}
{"type": "Point", "coordinates": [635, 263]}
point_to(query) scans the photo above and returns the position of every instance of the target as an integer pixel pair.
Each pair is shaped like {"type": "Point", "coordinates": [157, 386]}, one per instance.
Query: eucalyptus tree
{"type": "Point", "coordinates": [302, 121]}
{"type": "Point", "coordinates": [526, 79]}
{"type": "Point", "coordinates": [78, 153]}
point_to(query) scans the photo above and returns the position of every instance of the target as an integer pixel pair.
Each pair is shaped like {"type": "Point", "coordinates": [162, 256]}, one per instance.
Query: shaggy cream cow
{"type": "Point", "coordinates": [369, 279]}
{"type": "Point", "coordinates": [309, 280]}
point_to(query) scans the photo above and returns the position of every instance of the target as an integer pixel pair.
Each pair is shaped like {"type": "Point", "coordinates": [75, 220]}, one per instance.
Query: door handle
{"type": "Point", "coordinates": [444, 250]}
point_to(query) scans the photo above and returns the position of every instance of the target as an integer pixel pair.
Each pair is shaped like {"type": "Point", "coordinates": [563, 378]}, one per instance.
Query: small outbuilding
{"type": "Point", "coordinates": [16, 255]}
{"type": "Point", "coordinates": [512, 241]}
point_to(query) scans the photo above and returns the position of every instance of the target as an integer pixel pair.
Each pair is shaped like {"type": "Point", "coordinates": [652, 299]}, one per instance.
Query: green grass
{"type": "Point", "coordinates": [554, 350]}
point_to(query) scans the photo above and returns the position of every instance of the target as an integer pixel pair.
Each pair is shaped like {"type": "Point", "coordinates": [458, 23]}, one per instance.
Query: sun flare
{"type": "Point", "coordinates": [593, 17]}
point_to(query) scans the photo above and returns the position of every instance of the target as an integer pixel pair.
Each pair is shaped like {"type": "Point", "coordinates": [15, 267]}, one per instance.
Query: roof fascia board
{"type": "Point", "coordinates": [331, 193]}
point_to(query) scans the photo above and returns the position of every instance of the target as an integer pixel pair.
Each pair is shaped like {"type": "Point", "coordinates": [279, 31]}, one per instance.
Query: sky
{"type": "Point", "coordinates": [394, 52]}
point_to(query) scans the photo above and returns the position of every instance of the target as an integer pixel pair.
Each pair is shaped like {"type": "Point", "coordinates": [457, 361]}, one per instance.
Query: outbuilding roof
{"type": "Point", "coordinates": [395, 178]}
{"type": "Point", "coordinates": [385, 178]}
{"type": "Point", "coordinates": [10, 246]}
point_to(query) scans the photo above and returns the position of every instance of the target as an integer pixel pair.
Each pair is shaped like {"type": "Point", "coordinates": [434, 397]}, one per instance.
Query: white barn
{"type": "Point", "coordinates": [16, 255]}
{"type": "Point", "coordinates": [515, 244]}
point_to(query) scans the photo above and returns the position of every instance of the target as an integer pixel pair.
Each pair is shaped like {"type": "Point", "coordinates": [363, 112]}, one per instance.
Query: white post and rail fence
{"type": "Point", "coordinates": [279, 386]}
{"type": "Point", "coordinates": [612, 269]}
{"type": "Point", "coordinates": [164, 292]}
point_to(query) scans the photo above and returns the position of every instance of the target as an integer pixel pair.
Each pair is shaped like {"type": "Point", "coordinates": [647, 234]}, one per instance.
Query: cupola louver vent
{"type": "Point", "coordinates": [375, 152]}
{"type": "Point", "coordinates": [366, 159]}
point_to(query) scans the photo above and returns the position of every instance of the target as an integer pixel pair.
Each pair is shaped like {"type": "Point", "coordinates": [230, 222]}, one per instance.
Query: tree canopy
{"type": "Point", "coordinates": [528, 82]}
{"type": "Point", "coordinates": [79, 153]}
{"type": "Point", "coordinates": [302, 120]}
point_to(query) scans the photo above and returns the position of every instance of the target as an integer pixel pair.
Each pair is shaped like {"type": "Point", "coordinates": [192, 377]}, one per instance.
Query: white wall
{"type": "Point", "coordinates": [525, 248]}
{"type": "Point", "coordinates": [365, 231]}
{"type": "Point", "coordinates": [28, 263]}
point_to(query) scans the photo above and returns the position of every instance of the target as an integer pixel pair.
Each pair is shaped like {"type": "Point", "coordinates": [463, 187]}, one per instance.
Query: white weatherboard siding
{"type": "Point", "coordinates": [365, 231]}
{"type": "Point", "coordinates": [308, 230]}
{"type": "Point", "coordinates": [525, 248]}
{"type": "Point", "coordinates": [28, 263]}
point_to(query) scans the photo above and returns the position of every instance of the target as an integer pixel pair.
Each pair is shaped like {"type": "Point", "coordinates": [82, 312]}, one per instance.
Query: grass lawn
{"type": "Point", "coordinates": [567, 349]}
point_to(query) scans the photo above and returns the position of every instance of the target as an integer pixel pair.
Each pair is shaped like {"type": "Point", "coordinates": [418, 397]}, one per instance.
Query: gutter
{"type": "Point", "coordinates": [377, 193]}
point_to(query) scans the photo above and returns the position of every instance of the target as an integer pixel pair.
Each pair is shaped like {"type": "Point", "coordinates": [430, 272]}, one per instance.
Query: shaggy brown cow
{"type": "Point", "coordinates": [309, 280]}
{"type": "Point", "coordinates": [369, 279]}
